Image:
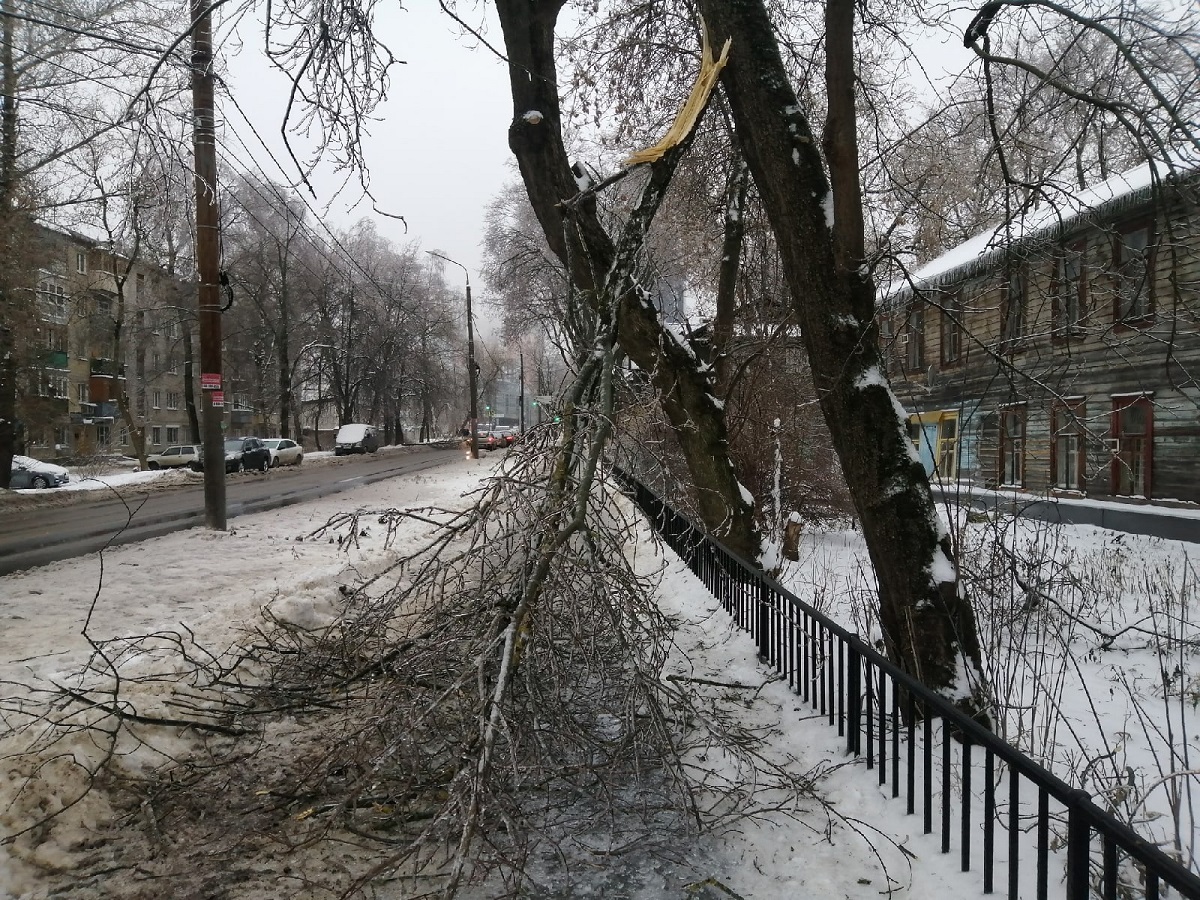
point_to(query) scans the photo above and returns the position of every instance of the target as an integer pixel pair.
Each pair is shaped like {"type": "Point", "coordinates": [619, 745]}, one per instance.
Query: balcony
{"type": "Point", "coordinates": [103, 368]}
{"type": "Point", "coordinates": [54, 359]}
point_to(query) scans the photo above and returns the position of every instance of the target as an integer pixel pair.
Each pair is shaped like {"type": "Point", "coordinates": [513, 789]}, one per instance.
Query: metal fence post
{"type": "Point", "coordinates": [764, 620]}
{"type": "Point", "coordinates": [853, 699]}
{"type": "Point", "coordinates": [1079, 838]}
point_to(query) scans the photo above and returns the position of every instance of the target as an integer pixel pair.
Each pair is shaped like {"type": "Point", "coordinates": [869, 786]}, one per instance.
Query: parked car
{"type": "Point", "coordinates": [33, 473]}
{"type": "Point", "coordinates": [240, 454]}
{"type": "Point", "coordinates": [498, 437]}
{"type": "Point", "coordinates": [173, 457]}
{"type": "Point", "coordinates": [284, 452]}
{"type": "Point", "coordinates": [355, 438]}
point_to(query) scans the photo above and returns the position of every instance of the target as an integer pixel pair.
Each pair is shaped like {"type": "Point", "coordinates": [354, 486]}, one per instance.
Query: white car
{"type": "Point", "coordinates": [33, 473]}
{"type": "Point", "coordinates": [174, 457]}
{"type": "Point", "coordinates": [284, 452]}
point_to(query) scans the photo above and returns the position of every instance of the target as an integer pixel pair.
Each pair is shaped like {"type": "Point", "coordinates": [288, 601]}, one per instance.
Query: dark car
{"type": "Point", "coordinates": [241, 454]}
{"type": "Point", "coordinates": [33, 473]}
{"type": "Point", "coordinates": [355, 438]}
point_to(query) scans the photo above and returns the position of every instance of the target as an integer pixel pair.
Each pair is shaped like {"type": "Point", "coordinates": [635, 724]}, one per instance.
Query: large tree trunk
{"type": "Point", "coordinates": [586, 249]}
{"type": "Point", "coordinates": [929, 625]}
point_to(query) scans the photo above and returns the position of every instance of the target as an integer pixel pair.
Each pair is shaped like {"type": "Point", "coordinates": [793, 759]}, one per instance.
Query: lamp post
{"type": "Point", "coordinates": [474, 438]}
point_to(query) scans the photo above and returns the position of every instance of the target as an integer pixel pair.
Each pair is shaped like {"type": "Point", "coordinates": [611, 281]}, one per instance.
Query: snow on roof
{"type": "Point", "coordinates": [1053, 217]}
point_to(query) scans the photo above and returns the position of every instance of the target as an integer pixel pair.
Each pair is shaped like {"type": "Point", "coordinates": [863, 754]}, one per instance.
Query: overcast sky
{"type": "Point", "coordinates": [438, 153]}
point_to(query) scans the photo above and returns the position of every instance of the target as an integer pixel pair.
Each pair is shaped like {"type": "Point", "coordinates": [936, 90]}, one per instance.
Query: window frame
{"type": "Point", "coordinates": [914, 331]}
{"type": "Point", "coordinates": [1009, 340]}
{"type": "Point", "coordinates": [1008, 443]}
{"type": "Point", "coordinates": [951, 330]}
{"type": "Point", "coordinates": [1063, 328]}
{"type": "Point", "coordinates": [1066, 421]}
{"type": "Point", "coordinates": [1121, 318]}
{"type": "Point", "coordinates": [1123, 455]}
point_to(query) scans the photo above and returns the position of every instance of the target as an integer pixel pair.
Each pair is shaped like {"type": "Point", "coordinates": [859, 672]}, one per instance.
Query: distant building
{"type": "Point", "coordinates": [68, 405]}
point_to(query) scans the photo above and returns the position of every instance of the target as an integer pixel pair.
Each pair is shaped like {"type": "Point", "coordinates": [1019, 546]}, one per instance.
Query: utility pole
{"type": "Point", "coordinates": [521, 357]}
{"type": "Point", "coordinates": [474, 439]}
{"type": "Point", "coordinates": [8, 190]}
{"type": "Point", "coordinates": [204, 142]}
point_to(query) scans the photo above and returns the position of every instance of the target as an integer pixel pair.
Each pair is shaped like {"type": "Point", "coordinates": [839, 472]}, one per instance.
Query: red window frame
{"type": "Point", "coordinates": [1131, 434]}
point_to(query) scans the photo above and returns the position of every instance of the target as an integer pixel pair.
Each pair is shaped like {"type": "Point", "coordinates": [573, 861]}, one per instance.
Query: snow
{"type": "Point", "coordinates": [827, 205]}
{"type": "Point", "coordinates": [217, 583]}
{"type": "Point", "coordinates": [533, 117]}
{"type": "Point", "coordinates": [747, 497]}
{"type": "Point", "coordinates": [941, 570]}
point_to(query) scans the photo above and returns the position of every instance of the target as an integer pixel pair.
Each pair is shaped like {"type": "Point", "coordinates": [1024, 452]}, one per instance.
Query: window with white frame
{"type": "Point", "coordinates": [53, 297]}
{"type": "Point", "coordinates": [103, 435]}
{"type": "Point", "coordinates": [1067, 458]}
{"type": "Point", "coordinates": [156, 435]}
{"type": "Point", "coordinates": [172, 400]}
{"type": "Point", "coordinates": [81, 393]}
{"type": "Point", "coordinates": [156, 400]}
{"type": "Point", "coordinates": [172, 434]}
{"type": "Point", "coordinates": [241, 401]}
{"type": "Point", "coordinates": [1012, 446]}
{"type": "Point", "coordinates": [81, 262]}
{"type": "Point", "coordinates": [58, 385]}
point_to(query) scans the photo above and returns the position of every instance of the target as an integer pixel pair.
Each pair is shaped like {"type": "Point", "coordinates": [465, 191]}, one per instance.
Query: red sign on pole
{"type": "Point", "coordinates": [210, 381]}
{"type": "Point", "coordinates": [218, 399]}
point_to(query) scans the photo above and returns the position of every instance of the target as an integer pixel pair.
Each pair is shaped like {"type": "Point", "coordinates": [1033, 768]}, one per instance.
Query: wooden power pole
{"type": "Point", "coordinates": [208, 265]}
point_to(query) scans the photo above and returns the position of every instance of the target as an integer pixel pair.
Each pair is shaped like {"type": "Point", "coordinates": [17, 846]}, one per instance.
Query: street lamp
{"type": "Point", "coordinates": [474, 438]}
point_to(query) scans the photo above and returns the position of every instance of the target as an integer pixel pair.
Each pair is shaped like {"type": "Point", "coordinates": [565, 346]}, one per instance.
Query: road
{"type": "Point", "coordinates": [35, 537]}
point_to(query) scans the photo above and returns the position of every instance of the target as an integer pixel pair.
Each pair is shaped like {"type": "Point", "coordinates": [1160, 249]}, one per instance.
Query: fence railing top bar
{"type": "Point", "coordinates": [1131, 841]}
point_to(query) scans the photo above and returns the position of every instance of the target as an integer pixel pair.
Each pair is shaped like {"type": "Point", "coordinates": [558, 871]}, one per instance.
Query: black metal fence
{"type": "Point", "coordinates": [873, 704]}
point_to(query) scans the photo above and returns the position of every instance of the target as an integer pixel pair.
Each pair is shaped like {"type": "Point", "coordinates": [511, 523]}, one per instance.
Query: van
{"type": "Point", "coordinates": [355, 439]}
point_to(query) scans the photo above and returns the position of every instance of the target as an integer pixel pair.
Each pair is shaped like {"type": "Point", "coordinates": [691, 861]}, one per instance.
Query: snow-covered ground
{"type": "Point", "coordinates": [218, 584]}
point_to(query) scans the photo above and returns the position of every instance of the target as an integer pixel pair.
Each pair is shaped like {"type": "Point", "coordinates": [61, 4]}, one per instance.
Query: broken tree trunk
{"type": "Point", "coordinates": [575, 234]}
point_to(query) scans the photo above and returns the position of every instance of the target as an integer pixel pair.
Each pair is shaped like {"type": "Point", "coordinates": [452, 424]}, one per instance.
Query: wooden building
{"type": "Point", "coordinates": [1060, 353]}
